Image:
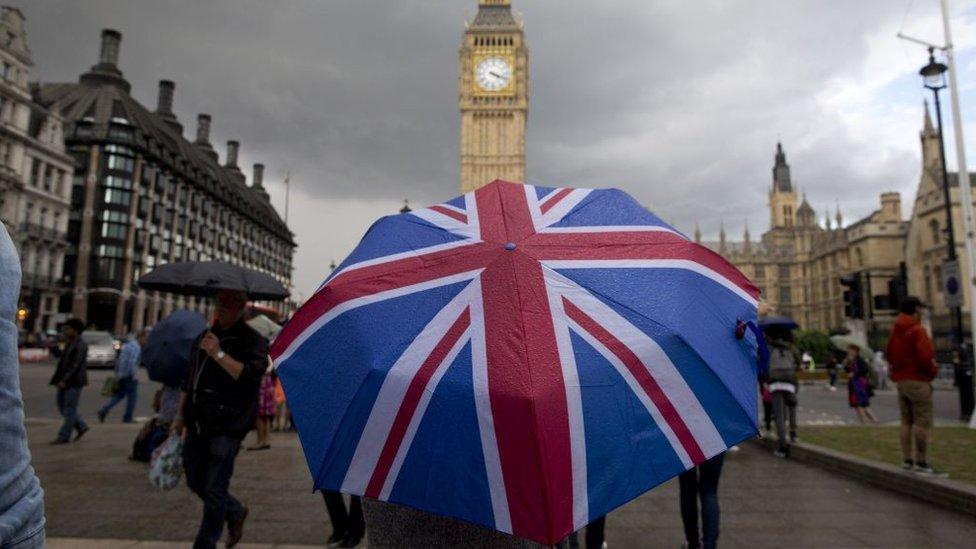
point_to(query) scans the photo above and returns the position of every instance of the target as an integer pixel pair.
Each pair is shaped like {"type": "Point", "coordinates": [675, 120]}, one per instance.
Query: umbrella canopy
{"type": "Point", "coordinates": [167, 353]}
{"type": "Point", "coordinates": [778, 321]}
{"type": "Point", "coordinates": [520, 357]}
{"type": "Point", "coordinates": [204, 278]}
{"type": "Point", "coordinates": [842, 342]}
{"type": "Point", "coordinates": [264, 326]}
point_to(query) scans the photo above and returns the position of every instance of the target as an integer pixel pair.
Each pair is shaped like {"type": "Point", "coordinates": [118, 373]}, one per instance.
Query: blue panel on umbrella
{"type": "Point", "coordinates": [609, 207]}
{"type": "Point", "coordinates": [679, 311]}
{"type": "Point", "coordinates": [458, 202]}
{"type": "Point", "coordinates": [541, 192]}
{"type": "Point", "coordinates": [626, 453]}
{"type": "Point", "coordinates": [445, 467]}
{"type": "Point", "coordinates": [325, 376]}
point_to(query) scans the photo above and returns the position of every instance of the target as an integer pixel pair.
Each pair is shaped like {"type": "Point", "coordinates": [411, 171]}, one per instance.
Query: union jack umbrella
{"type": "Point", "coordinates": [520, 357]}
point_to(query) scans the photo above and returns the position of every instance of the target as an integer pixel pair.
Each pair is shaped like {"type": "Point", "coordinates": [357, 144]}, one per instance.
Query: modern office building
{"type": "Point", "coordinates": [143, 195]}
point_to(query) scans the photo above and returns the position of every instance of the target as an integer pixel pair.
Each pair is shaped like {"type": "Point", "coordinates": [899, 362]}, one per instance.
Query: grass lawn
{"type": "Point", "coordinates": [952, 449]}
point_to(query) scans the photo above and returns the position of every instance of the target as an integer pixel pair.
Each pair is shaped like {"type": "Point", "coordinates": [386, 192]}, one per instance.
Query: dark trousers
{"type": "Point", "coordinates": [784, 408]}
{"type": "Point", "coordinates": [345, 524]}
{"type": "Point", "coordinates": [701, 483]}
{"type": "Point", "coordinates": [128, 390]}
{"type": "Point", "coordinates": [68, 408]}
{"type": "Point", "coordinates": [209, 463]}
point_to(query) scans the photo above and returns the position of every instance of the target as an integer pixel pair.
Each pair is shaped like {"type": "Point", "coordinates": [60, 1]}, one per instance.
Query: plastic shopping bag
{"type": "Point", "coordinates": [166, 466]}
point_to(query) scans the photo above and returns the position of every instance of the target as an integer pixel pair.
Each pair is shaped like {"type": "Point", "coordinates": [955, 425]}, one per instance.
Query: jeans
{"type": "Point", "coordinates": [701, 483]}
{"type": "Point", "coordinates": [784, 403]}
{"type": "Point", "coordinates": [21, 497]}
{"type": "Point", "coordinates": [346, 525]}
{"type": "Point", "coordinates": [208, 462]}
{"type": "Point", "coordinates": [68, 399]}
{"type": "Point", "coordinates": [128, 390]}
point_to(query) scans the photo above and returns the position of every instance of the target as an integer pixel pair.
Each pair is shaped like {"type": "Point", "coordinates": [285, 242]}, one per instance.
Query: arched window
{"type": "Point", "coordinates": [936, 233]}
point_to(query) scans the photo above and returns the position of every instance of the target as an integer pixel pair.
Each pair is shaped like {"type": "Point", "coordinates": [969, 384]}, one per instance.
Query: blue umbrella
{"type": "Point", "coordinates": [167, 353]}
{"type": "Point", "coordinates": [780, 321]}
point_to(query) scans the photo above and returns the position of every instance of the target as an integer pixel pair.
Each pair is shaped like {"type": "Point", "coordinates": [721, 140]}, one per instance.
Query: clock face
{"type": "Point", "coordinates": [493, 74]}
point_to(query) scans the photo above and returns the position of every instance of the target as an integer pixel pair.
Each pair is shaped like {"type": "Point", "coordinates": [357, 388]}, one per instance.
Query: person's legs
{"type": "Point", "coordinates": [594, 533]}
{"type": "Point", "coordinates": [859, 411]}
{"type": "Point", "coordinates": [688, 493]}
{"type": "Point", "coordinates": [870, 415]}
{"type": "Point", "coordinates": [113, 400]}
{"type": "Point", "coordinates": [905, 429]}
{"type": "Point", "coordinates": [779, 415]}
{"type": "Point", "coordinates": [337, 514]}
{"type": "Point", "coordinates": [357, 524]}
{"type": "Point", "coordinates": [921, 443]}
{"type": "Point", "coordinates": [68, 402]}
{"type": "Point", "coordinates": [768, 415]}
{"type": "Point", "coordinates": [64, 433]}
{"type": "Point", "coordinates": [131, 394]}
{"type": "Point", "coordinates": [214, 464]}
{"type": "Point", "coordinates": [791, 413]}
{"type": "Point", "coordinates": [710, 470]}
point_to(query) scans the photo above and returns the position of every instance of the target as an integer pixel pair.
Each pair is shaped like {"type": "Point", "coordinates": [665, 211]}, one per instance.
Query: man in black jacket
{"type": "Point", "coordinates": [217, 409]}
{"type": "Point", "coordinates": [70, 377]}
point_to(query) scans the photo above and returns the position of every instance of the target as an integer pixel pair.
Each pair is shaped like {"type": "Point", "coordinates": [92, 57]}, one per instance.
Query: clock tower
{"type": "Point", "coordinates": [493, 84]}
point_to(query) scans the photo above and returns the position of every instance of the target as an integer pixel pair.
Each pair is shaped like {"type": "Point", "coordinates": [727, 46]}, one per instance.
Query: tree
{"type": "Point", "coordinates": [815, 342]}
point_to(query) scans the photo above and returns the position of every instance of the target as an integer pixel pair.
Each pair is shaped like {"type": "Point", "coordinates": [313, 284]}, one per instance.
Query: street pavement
{"type": "Point", "coordinates": [93, 492]}
{"type": "Point", "coordinates": [818, 405]}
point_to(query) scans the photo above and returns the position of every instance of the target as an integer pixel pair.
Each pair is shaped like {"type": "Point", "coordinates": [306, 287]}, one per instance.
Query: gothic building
{"type": "Point", "coordinates": [143, 195]}
{"type": "Point", "coordinates": [798, 262]}
{"type": "Point", "coordinates": [493, 86]}
{"type": "Point", "coordinates": [35, 180]}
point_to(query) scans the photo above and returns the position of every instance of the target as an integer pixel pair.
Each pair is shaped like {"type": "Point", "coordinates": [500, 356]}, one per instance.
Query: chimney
{"type": "Point", "coordinates": [258, 176]}
{"type": "Point", "coordinates": [164, 101]}
{"type": "Point", "coordinates": [109, 53]}
{"type": "Point", "coordinates": [203, 129]}
{"type": "Point", "coordinates": [232, 147]}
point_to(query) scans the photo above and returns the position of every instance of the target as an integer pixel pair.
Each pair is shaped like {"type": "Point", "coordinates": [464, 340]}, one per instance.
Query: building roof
{"type": "Point", "coordinates": [100, 101]}
{"type": "Point", "coordinates": [494, 18]}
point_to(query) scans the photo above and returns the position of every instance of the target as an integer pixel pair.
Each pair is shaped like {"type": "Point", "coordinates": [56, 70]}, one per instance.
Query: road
{"type": "Point", "coordinates": [820, 406]}
{"type": "Point", "coordinates": [39, 396]}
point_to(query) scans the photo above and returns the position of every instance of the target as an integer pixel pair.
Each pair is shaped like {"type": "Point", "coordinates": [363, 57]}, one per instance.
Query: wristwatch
{"type": "Point", "coordinates": [221, 354]}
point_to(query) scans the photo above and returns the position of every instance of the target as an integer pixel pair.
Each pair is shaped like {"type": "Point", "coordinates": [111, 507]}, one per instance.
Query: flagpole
{"type": "Point", "coordinates": [287, 193]}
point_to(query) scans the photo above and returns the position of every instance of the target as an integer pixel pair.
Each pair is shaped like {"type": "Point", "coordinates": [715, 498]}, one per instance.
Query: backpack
{"type": "Point", "coordinates": [782, 365]}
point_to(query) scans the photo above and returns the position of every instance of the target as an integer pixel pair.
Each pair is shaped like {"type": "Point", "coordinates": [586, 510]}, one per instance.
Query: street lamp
{"type": "Point", "coordinates": [406, 207]}
{"type": "Point", "coordinates": [933, 77]}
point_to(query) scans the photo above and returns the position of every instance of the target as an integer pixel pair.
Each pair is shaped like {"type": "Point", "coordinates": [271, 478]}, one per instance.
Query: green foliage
{"type": "Point", "coordinates": [815, 342]}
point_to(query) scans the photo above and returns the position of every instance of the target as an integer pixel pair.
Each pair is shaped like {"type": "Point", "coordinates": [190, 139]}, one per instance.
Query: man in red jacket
{"type": "Point", "coordinates": [912, 366]}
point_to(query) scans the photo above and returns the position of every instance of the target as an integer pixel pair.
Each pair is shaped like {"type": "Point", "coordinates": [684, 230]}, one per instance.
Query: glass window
{"type": "Point", "coordinates": [116, 196]}
{"type": "Point", "coordinates": [118, 182]}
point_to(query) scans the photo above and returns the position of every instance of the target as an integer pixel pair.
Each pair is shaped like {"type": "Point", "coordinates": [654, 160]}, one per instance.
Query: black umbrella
{"type": "Point", "coordinates": [167, 353]}
{"type": "Point", "coordinates": [204, 278]}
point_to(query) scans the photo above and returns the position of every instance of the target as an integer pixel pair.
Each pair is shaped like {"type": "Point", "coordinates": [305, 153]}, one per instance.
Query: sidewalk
{"type": "Point", "coordinates": [91, 543]}
{"type": "Point", "coordinates": [93, 492]}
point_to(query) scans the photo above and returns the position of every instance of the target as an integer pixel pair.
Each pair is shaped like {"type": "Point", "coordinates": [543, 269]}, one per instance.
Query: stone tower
{"type": "Point", "coordinates": [493, 85]}
{"type": "Point", "coordinates": [782, 195]}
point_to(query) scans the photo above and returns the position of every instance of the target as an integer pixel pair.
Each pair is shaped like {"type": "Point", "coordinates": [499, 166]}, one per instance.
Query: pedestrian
{"type": "Point", "coordinates": [701, 483]}
{"type": "Point", "coordinates": [70, 378]}
{"type": "Point", "coordinates": [21, 496]}
{"type": "Point", "coordinates": [594, 536]}
{"type": "Point", "coordinates": [880, 367]}
{"type": "Point", "coordinates": [217, 409]}
{"type": "Point", "coordinates": [348, 525]}
{"type": "Point", "coordinates": [911, 360]}
{"type": "Point", "coordinates": [859, 390]}
{"type": "Point", "coordinates": [266, 409]}
{"type": "Point", "coordinates": [832, 371]}
{"type": "Point", "coordinates": [783, 384]}
{"type": "Point", "coordinates": [127, 374]}
{"type": "Point", "coordinates": [282, 417]}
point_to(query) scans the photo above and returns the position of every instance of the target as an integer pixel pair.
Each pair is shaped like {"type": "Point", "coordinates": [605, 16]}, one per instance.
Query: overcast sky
{"type": "Point", "coordinates": [679, 103]}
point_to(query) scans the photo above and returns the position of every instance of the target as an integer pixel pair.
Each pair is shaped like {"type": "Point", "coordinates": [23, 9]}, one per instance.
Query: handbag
{"type": "Point", "coordinates": [166, 466]}
{"type": "Point", "coordinates": [111, 386]}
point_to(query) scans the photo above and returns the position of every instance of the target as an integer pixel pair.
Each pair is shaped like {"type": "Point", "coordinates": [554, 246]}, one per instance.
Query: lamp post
{"type": "Point", "coordinates": [933, 76]}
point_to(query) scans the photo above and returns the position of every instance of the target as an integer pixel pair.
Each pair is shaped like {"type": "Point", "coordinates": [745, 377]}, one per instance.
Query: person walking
{"type": "Point", "coordinates": [70, 377]}
{"type": "Point", "coordinates": [783, 384]}
{"type": "Point", "coordinates": [266, 409]}
{"type": "Point", "coordinates": [348, 525]}
{"type": "Point", "coordinates": [127, 373]}
{"type": "Point", "coordinates": [832, 371]}
{"type": "Point", "coordinates": [859, 385]}
{"type": "Point", "coordinates": [21, 496]}
{"type": "Point", "coordinates": [217, 409]}
{"type": "Point", "coordinates": [912, 367]}
{"type": "Point", "coordinates": [701, 483]}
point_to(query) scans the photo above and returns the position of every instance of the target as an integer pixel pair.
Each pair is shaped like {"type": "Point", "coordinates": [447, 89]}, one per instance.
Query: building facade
{"type": "Point", "coordinates": [927, 247]}
{"type": "Point", "coordinates": [493, 86]}
{"type": "Point", "coordinates": [798, 263]}
{"type": "Point", "coordinates": [143, 195]}
{"type": "Point", "coordinates": [35, 180]}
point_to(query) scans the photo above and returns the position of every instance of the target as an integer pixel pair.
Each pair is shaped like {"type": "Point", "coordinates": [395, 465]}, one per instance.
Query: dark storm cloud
{"type": "Point", "coordinates": [679, 103]}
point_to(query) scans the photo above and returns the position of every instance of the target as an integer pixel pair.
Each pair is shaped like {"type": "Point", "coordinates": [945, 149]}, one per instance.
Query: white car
{"type": "Point", "coordinates": [102, 348]}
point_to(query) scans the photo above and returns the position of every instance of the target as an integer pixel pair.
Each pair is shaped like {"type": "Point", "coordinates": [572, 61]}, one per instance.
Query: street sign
{"type": "Point", "coordinates": [952, 284]}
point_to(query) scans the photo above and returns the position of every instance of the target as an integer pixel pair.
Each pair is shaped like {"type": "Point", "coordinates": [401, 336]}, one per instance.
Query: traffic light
{"type": "Point", "coordinates": [853, 296]}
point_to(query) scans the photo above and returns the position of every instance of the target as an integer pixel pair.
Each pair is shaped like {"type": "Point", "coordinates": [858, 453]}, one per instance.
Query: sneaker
{"type": "Point", "coordinates": [923, 468]}
{"type": "Point", "coordinates": [908, 465]}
